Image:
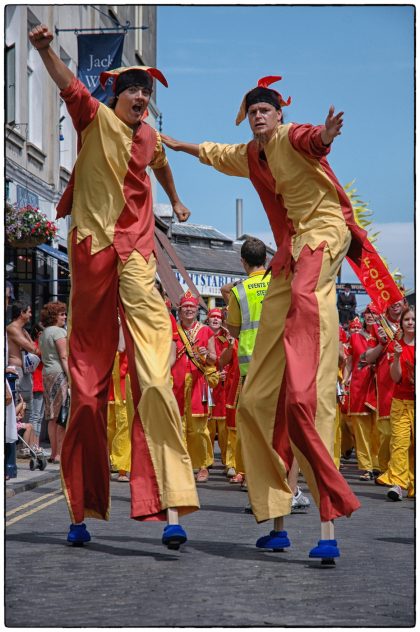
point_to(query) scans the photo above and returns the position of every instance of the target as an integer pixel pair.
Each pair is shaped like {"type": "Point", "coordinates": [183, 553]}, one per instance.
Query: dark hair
{"type": "Point", "coordinates": [254, 252]}
{"type": "Point", "coordinates": [133, 77]}
{"type": "Point", "coordinates": [50, 312]}
{"type": "Point", "coordinates": [262, 95]}
{"type": "Point", "coordinates": [18, 308]}
{"type": "Point", "coordinates": [36, 330]}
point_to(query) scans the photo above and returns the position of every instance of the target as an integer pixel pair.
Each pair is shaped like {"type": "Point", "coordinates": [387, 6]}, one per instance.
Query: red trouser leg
{"type": "Point", "coordinates": [93, 340]}
{"type": "Point", "coordinates": [303, 361]}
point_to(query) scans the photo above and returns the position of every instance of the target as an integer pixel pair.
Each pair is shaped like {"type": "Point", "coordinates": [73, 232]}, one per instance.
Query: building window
{"type": "Point", "coordinates": [10, 84]}
{"type": "Point", "coordinates": [35, 74]}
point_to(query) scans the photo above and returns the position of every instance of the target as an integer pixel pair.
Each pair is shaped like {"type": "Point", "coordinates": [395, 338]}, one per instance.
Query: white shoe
{"type": "Point", "coordinates": [299, 501]}
{"type": "Point", "coordinates": [230, 472]}
{"type": "Point", "coordinates": [395, 493]}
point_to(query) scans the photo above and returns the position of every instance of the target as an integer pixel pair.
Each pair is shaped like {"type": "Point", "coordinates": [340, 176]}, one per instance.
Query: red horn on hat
{"type": "Point", "coordinates": [103, 78]}
{"type": "Point", "coordinates": [157, 74]}
{"type": "Point", "coordinates": [264, 82]}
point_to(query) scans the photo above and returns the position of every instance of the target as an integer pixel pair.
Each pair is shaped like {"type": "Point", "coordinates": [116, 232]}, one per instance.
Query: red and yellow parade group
{"type": "Point", "coordinates": [261, 374]}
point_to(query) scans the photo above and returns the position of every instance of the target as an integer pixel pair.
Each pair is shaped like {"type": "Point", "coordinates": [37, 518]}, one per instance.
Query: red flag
{"type": "Point", "coordinates": [375, 277]}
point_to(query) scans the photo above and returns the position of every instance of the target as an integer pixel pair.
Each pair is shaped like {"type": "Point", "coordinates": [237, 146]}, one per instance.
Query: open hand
{"type": "Point", "coordinates": [333, 125]}
{"type": "Point", "coordinates": [170, 142]}
{"type": "Point", "coordinates": [40, 36]}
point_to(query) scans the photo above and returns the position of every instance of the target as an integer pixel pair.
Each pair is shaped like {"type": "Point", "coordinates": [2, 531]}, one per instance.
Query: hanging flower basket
{"type": "Point", "coordinates": [27, 227]}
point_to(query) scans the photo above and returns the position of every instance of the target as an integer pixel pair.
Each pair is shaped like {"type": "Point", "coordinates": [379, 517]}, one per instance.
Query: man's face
{"type": "Point", "coordinates": [394, 311]}
{"type": "Point", "coordinates": [131, 105]}
{"type": "Point", "coordinates": [188, 313]}
{"type": "Point", "coordinates": [263, 119]}
{"type": "Point", "coordinates": [215, 322]}
{"type": "Point", "coordinates": [27, 315]}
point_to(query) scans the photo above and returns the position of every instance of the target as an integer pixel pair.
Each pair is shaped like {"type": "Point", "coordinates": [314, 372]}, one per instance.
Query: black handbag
{"type": "Point", "coordinates": [64, 413]}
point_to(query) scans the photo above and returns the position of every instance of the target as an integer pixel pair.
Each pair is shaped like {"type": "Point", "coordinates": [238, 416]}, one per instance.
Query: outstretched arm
{"type": "Point", "coordinates": [177, 145]}
{"type": "Point", "coordinates": [332, 127]}
{"type": "Point", "coordinates": [165, 178]}
{"type": "Point", "coordinates": [41, 38]}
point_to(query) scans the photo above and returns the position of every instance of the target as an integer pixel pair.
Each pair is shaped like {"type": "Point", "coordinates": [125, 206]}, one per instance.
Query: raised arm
{"type": "Point", "coordinates": [41, 38]}
{"type": "Point", "coordinates": [332, 127]}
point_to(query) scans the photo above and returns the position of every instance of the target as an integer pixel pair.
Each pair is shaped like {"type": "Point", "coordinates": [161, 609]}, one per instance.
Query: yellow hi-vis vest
{"type": "Point", "coordinates": [250, 295]}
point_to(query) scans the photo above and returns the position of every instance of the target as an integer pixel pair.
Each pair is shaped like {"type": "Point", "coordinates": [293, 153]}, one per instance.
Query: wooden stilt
{"type": "Point", "coordinates": [327, 530]}
{"type": "Point", "coordinates": [172, 515]}
{"type": "Point", "coordinates": [278, 523]}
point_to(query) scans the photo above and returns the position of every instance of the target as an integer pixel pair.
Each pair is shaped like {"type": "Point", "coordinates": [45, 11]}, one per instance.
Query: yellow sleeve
{"type": "Point", "coordinates": [159, 159]}
{"type": "Point", "coordinates": [231, 160]}
{"type": "Point", "coordinates": [234, 317]}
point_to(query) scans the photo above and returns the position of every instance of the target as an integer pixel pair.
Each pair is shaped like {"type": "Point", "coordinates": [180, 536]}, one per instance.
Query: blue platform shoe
{"type": "Point", "coordinates": [173, 536]}
{"type": "Point", "coordinates": [327, 550]}
{"type": "Point", "coordinates": [277, 541]}
{"type": "Point", "coordinates": [78, 534]}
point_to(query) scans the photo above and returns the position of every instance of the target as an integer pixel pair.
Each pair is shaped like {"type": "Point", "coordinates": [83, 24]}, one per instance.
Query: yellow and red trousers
{"type": "Point", "coordinates": [161, 471]}
{"type": "Point", "coordinates": [288, 403]}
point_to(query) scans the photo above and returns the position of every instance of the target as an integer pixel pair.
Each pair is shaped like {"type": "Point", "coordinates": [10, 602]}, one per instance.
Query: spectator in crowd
{"type": "Point", "coordinates": [20, 341]}
{"type": "Point", "coordinates": [55, 374]}
{"type": "Point", "coordinates": [25, 430]}
{"type": "Point", "coordinates": [11, 435]}
{"type": "Point", "coordinates": [346, 304]}
{"type": "Point", "coordinates": [400, 472]}
{"type": "Point", "coordinates": [38, 407]}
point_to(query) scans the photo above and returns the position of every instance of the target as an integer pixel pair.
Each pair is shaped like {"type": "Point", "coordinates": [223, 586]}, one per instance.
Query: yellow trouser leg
{"type": "Point", "coordinates": [151, 339]}
{"type": "Point", "coordinates": [347, 438]}
{"type": "Point", "coordinates": [400, 464]}
{"type": "Point", "coordinates": [110, 426]}
{"type": "Point", "coordinates": [384, 430]}
{"type": "Point", "coordinates": [337, 440]}
{"type": "Point", "coordinates": [121, 445]}
{"type": "Point", "coordinates": [363, 430]}
{"type": "Point", "coordinates": [231, 448]}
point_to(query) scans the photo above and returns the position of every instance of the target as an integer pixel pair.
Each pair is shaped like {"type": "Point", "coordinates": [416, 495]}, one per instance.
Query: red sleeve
{"type": "Point", "coordinates": [306, 139]}
{"type": "Point", "coordinates": [81, 105]}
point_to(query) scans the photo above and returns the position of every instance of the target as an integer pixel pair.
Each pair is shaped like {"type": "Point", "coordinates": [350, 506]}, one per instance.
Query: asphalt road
{"type": "Point", "coordinates": [126, 578]}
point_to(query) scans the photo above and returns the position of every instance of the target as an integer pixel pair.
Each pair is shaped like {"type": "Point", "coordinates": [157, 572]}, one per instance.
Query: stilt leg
{"type": "Point", "coordinates": [173, 534]}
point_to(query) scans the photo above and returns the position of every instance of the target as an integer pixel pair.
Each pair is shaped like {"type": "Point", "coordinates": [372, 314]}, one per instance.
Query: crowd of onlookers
{"type": "Point", "coordinates": [36, 383]}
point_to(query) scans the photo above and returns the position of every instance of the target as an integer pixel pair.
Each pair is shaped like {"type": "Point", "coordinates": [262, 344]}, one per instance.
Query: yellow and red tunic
{"type": "Point", "coordinates": [109, 193]}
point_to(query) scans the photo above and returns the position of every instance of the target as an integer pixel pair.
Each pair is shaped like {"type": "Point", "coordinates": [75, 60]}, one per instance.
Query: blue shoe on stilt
{"type": "Point", "coordinates": [327, 550]}
{"type": "Point", "coordinates": [78, 534]}
{"type": "Point", "coordinates": [276, 540]}
{"type": "Point", "coordinates": [173, 536]}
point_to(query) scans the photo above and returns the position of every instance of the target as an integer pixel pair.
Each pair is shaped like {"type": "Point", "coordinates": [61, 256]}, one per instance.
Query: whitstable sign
{"type": "Point", "coordinates": [208, 283]}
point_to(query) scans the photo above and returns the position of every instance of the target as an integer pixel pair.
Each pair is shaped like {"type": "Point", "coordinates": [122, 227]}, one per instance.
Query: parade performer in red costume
{"type": "Point", "coordinates": [361, 404]}
{"type": "Point", "coordinates": [288, 402]}
{"type": "Point", "coordinates": [112, 265]}
{"type": "Point", "coordinates": [193, 373]}
{"type": "Point", "coordinates": [217, 416]}
{"type": "Point", "coordinates": [400, 471]}
{"type": "Point", "coordinates": [379, 354]}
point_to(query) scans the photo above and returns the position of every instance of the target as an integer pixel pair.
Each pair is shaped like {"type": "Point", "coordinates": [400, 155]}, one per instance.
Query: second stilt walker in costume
{"type": "Point", "coordinates": [289, 398]}
{"type": "Point", "coordinates": [111, 245]}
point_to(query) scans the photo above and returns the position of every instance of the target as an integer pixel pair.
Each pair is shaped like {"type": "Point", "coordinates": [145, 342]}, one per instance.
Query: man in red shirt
{"type": "Point", "coordinates": [111, 251]}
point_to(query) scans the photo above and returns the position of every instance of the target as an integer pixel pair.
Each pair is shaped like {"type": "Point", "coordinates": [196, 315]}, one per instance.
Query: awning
{"type": "Point", "coordinates": [53, 252]}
